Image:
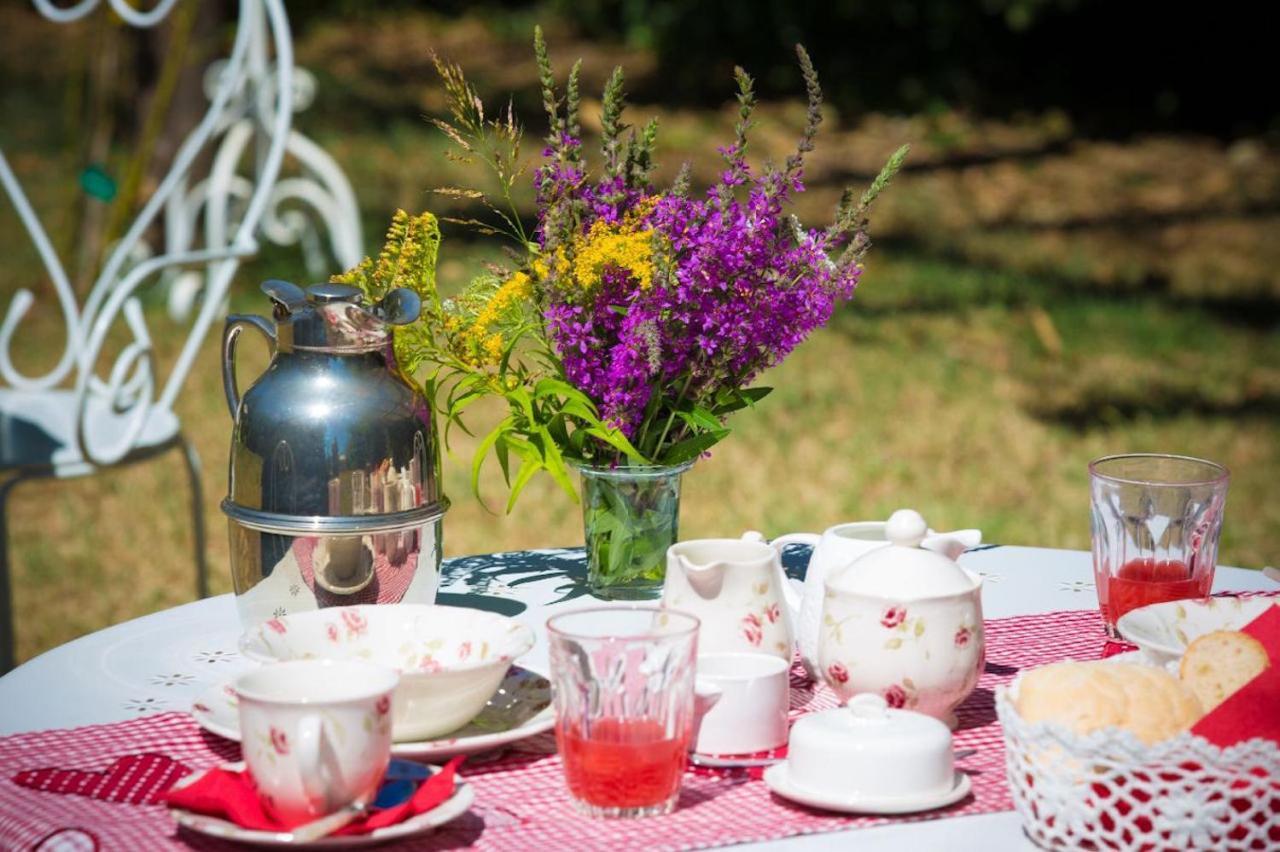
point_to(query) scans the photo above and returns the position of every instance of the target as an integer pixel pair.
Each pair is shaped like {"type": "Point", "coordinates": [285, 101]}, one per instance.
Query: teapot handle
{"type": "Point", "coordinates": [230, 333]}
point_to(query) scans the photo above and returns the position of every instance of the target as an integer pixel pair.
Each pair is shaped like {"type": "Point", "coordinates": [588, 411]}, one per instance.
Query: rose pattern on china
{"type": "Point", "coordinates": [279, 741]}
{"type": "Point", "coordinates": [895, 696]}
{"type": "Point", "coordinates": [356, 623]}
{"type": "Point", "coordinates": [331, 630]}
{"type": "Point", "coordinates": [464, 650]}
{"type": "Point", "coordinates": [838, 673]}
{"type": "Point", "coordinates": [753, 629]}
{"type": "Point", "coordinates": [277, 625]}
{"type": "Point", "coordinates": [773, 612]}
{"type": "Point", "coordinates": [893, 616]}
{"type": "Point", "coordinates": [383, 706]}
{"type": "Point", "coordinates": [963, 635]}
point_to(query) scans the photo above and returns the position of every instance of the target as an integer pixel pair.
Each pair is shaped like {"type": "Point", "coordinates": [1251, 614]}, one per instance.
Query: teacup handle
{"type": "Point", "coordinates": [310, 732]}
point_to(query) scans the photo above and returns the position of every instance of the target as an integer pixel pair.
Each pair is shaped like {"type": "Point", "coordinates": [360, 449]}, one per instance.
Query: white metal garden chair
{"type": "Point", "coordinates": [82, 416]}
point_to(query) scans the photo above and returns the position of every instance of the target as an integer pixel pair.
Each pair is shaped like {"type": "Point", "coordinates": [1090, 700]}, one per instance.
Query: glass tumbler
{"type": "Point", "coordinates": [1156, 520]}
{"type": "Point", "coordinates": [624, 697]}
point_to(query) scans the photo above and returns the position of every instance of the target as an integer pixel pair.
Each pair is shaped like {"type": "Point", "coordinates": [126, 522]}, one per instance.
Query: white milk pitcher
{"type": "Point", "coordinates": [737, 588]}
{"type": "Point", "coordinates": [836, 549]}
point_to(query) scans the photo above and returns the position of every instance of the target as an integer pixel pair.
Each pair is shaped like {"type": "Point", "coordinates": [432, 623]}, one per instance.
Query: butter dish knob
{"type": "Point", "coordinates": [868, 705]}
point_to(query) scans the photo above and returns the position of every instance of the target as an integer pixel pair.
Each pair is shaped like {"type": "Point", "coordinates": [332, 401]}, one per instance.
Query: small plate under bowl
{"type": "Point", "coordinates": [1164, 630]}
{"type": "Point", "coordinates": [519, 709]}
{"type": "Point", "coordinates": [778, 779]}
{"type": "Point", "coordinates": [450, 809]}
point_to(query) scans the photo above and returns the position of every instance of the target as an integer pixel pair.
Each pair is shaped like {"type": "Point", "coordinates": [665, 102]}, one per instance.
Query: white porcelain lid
{"type": "Point", "coordinates": [869, 749]}
{"type": "Point", "coordinates": [904, 570]}
{"type": "Point", "coordinates": [867, 718]}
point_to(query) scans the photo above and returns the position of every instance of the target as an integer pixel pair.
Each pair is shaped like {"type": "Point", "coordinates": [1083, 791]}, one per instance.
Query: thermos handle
{"type": "Point", "coordinates": [235, 323]}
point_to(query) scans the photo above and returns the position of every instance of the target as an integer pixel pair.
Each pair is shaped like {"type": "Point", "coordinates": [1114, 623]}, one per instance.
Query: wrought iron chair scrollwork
{"type": "Point", "coordinates": [74, 419]}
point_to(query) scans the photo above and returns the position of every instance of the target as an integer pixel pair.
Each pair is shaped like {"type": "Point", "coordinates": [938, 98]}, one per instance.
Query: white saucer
{"type": "Point", "coordinates": [778, 779]}
{"type": "Point", "coordinates": [519, 709]}
{"type": "Point", "coordinates": [450, 809]}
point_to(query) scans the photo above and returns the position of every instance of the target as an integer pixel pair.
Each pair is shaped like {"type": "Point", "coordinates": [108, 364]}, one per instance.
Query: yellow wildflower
{"type": "Point", "coordinates": [619, 247]}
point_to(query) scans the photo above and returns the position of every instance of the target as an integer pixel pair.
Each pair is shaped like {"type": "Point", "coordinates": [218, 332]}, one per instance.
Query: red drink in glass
{"type": "Point", "coordinates": [1156, 522]}
{"type": "Point", "coordinates": [624, 702]}
{"type": "Point", "coordinates": [1140, 582]}
{"type": "Point", "coordinates": [622, 763]}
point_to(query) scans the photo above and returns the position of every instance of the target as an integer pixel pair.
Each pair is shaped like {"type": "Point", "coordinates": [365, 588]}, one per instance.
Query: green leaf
{"type": "Point", "coordinates": [483, 450]}
{"type": "Point", "coordinates": [738, 399]}
{"type": "Point", "coordinates": [691, 448]}
{"type": "Point", "coordinates": [529, 465]}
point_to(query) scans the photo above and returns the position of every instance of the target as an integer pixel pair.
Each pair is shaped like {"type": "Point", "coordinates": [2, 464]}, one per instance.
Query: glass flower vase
{"type": "Point", "coordinates": [630, 516]}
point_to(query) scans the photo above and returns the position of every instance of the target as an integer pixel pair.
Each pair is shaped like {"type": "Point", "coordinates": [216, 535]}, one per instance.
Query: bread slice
{"type": "Point", "coordinates": [1215, 665]}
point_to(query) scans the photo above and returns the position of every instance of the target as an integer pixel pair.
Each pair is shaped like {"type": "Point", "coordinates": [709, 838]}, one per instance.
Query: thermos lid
{"type": "Point", "coordinates": [334, 318]}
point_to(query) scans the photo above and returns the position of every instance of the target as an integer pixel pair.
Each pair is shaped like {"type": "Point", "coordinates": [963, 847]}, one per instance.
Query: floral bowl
{"type": "Point", "coordinates": [1164, 630]}
{"type": "Point", "coordinates": [451, 659]}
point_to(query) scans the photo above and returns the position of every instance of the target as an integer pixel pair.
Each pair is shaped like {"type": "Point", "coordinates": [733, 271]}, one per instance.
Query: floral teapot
{"type": "Point", "coordinates": [904, 622]}
{"type": "Point", "coordinates": [836, 549]}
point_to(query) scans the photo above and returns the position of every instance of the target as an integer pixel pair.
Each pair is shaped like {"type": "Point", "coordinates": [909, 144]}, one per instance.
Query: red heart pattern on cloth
{"type": "Point", "coordinates": [135, 779]}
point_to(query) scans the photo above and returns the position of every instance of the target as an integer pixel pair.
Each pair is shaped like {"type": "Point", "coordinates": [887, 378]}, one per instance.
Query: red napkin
{"type": "Point", "coordinates": [230, 795]}
{"type": "Point", "coordinates": [1254, 710]}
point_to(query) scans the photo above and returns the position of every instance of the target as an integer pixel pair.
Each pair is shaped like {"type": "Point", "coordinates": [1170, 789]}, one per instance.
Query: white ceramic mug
{"type": "Point", "coordinates": [751, 712]}
{"type": "Point", "coordinates": [316, 734]}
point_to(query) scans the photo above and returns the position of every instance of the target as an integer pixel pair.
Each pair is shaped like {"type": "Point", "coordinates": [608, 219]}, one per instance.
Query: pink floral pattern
{"type": "Point", "coordinates": [464, 650]}
{"type": "Point", "coordinates": [383, 705]}
{"type": "Point", "coordinates": [838, 673]}
{"type": "Point", "coordinates": [753, 629]}
{"type": "Point", "coordinates": [331, 631]}
{"type": "Point", "coordinates": [895, 696]}
{"type": "Point", "coordinates": [962, 637]}
{"type": "Point", "coordinates": [893, 616]}
{"type": "Point", "coordinates": [429, 664]}
{"type": "Point", "coordinates": [279, 741]}
{"type": "Point", "coordinates": [773, 613]}
{"type": "Point", "coordinates": [356, 623]}
{"type": "Point", "coordinates": [277, 625]}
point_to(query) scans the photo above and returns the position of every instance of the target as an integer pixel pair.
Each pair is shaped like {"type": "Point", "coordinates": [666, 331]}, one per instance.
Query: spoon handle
{"type": "Point", "coordinates": [311, 831]}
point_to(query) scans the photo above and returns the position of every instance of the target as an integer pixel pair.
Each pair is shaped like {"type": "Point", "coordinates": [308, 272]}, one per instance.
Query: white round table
{"type": "Point", "coordinates": [161, 662]}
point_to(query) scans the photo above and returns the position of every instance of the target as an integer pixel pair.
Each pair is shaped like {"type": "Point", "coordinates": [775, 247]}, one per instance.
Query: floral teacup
{"type": "Point", "coordinates": [315, 734]}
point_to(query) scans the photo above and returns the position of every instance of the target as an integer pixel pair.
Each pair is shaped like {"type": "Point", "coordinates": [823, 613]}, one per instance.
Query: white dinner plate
{"type": "Point", "coordinates": [778, 779]}
{"type": "Point", "coordinates": [450, 809]}
{"type": "Point", "coordinates": [519, 709]}
{"type": "Point", "coordinates": [1164, 630]}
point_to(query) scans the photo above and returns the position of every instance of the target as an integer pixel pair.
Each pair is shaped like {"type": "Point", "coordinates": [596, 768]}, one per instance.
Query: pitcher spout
{"type": "Point", "coordinates": [705, 579]}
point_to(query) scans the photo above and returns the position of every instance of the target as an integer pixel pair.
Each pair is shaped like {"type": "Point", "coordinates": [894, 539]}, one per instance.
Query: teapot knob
{"type": "Point", "coordinates": [906, 528]}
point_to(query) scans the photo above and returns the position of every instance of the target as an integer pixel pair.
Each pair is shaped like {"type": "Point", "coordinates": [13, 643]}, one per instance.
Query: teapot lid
{"type": "Point", "coordinates": [904, 570]}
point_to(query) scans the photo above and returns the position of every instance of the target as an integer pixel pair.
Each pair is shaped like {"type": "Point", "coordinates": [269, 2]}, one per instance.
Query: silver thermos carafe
{"type": "Point", "coordinates": [334, 476]}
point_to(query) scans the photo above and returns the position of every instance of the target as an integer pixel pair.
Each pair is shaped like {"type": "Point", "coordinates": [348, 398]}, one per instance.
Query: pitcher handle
{"type": "Point", "coordinates": [792, 590]}
{"type": "Point", "coordinates": [230, 333]}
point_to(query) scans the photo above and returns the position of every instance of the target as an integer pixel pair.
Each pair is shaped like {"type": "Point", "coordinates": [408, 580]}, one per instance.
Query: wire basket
{"type": "Point", "coordinates": [1108, 790]}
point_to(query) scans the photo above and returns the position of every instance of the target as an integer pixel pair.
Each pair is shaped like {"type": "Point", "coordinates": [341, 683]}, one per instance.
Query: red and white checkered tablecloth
{"type": "Point", "coordinates": [100, 783]}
